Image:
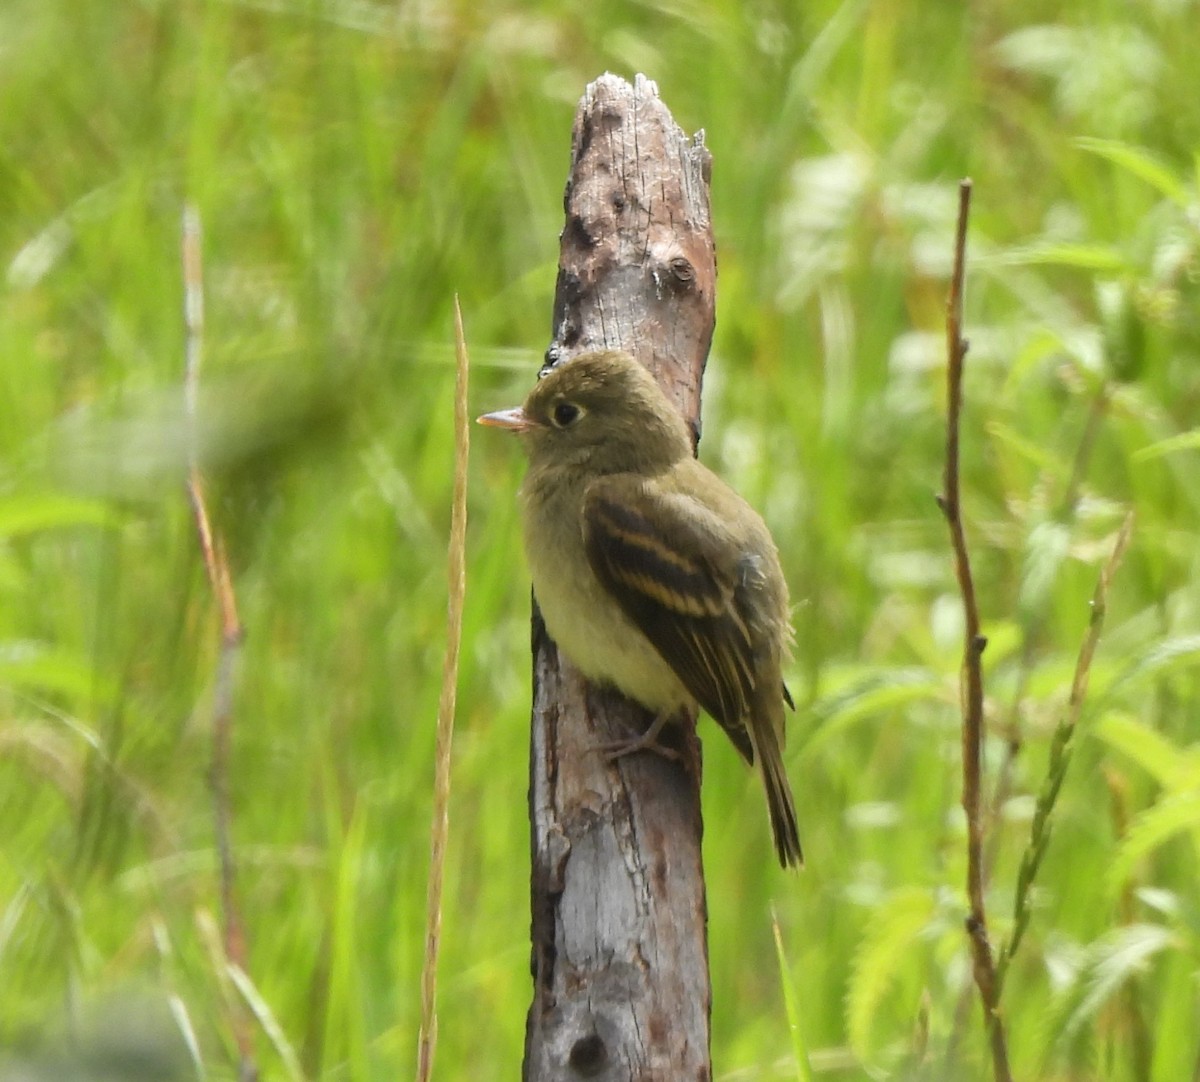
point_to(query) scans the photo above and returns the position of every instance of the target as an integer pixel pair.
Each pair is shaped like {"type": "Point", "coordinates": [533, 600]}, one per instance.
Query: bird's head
{"type": "Point", "coordinates": [601, 413]}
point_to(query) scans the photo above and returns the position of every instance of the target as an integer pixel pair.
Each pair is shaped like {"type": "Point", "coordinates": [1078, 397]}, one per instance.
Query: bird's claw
{"type": "Point", "coordinates": [613, 750]}
{"type": "Point", "coordinates": [647, 741]}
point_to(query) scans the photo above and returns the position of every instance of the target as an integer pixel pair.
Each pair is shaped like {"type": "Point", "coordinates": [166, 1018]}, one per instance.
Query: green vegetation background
{"type": "Point", "coordinates": [356, 163]}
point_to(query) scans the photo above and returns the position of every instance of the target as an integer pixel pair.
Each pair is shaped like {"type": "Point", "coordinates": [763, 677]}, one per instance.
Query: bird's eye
{"type": "Point", "coordinates": [565, 413]}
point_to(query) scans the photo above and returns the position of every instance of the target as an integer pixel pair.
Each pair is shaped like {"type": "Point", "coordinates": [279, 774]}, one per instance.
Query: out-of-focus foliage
{"type": "Point", "coordinates": [356, 162]}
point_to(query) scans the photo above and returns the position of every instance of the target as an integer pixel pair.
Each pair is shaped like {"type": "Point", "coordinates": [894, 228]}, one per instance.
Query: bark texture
{"type": "Point", "coordinates": [620, 955]}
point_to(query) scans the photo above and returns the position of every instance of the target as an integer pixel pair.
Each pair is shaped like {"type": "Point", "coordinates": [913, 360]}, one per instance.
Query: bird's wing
{"type": "Point", "coordinates": [661, 557]}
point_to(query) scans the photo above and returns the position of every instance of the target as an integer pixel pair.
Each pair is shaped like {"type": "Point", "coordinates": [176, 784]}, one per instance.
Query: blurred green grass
{"type": "Point", "coordinates": [357, 163]}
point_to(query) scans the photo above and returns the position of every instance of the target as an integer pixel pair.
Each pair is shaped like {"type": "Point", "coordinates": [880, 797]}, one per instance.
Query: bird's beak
{"type": "Point", "coordinates": [515, 420]}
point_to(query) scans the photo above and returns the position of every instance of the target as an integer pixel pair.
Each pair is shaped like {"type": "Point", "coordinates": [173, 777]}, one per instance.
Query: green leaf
{"type": "Point", "coordinates": [34, 666]}
{"type": "Point", "coordinates": [792, 1006]}
{"type": "Point", "coordinates": [870, 696]}
{"type": "Point", "coordinates": [1032, 452]}
{"type": "Point", "coordinates": [1093, 257]}
{"type": "Point", "coordinates": [1152, 828]}
{"type": "Point", "coordinates": [267, 1020]}
{"type": "Point", "coordinates": [1140, 163]}
{"type": "Point", "coordinates": [1112, 960]}
{"type": "Point", "coordinates": [1172, 767]}
{"type": "Point", "coordinates": [884, 950]}
{"type": "Point", "coordinates": [34, 512]}
{"type": "Point", "coordinates": [1161, 658]}
{"type": "Point", "coordinates": [1184, 441]}
{"type": "Point", "coordinates": [345, 1033]}
{"type": "Point", "coordinates": [1047, 547]}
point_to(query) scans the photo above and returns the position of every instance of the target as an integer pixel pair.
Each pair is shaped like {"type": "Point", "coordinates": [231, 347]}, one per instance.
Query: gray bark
{"type": "Point", "coordinates": [620, 955]}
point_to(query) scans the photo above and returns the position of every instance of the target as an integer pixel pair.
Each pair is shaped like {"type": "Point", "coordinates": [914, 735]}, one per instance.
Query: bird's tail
{"type": "Point", "coordinates": [766, 733]}
{"type": "Point", "coordinates": [780, 806]}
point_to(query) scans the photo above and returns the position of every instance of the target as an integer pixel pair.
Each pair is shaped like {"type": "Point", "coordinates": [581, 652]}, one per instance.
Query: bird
{"type": "Point", "coordinates": [651, 573]}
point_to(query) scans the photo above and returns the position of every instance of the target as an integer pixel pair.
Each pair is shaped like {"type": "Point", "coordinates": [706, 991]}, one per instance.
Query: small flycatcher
{"type": "Point", "coordinates": [652, 574]}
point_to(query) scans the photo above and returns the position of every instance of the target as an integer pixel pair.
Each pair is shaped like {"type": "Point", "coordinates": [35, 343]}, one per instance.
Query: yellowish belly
{"type": "Point", "coordinates": [589, 626]}
{"type": "Point", "coordinates": [606, 647]}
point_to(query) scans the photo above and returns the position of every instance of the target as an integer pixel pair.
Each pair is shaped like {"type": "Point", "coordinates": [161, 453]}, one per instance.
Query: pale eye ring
{"type": "Point", "coordinates": [565, 413]}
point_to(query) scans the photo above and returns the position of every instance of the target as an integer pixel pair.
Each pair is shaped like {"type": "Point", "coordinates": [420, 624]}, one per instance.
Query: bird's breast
{"type": "Point", "coordinates": [581, 616]}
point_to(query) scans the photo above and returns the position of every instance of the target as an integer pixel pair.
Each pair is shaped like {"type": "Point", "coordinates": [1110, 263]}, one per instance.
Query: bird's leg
{"type": "Point", "coordinates": [647, 741]}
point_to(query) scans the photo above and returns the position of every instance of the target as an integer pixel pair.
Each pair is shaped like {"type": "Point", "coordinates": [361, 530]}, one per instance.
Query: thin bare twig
{"type": "Point", "coordinates": [1060, 756]}
{"type": "Point", "coordinates": [427, 1038]}
{"type": "Point", "coordinates": [1031, 630]}
{"type": "Point", "coordinates": [217, 568]}
{"type": "Point", "coordinates": [1004, 782]}
{"type": "Point", "coordinates": [983, 964]}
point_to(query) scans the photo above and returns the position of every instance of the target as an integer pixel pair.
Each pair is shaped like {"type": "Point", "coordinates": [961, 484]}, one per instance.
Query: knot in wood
{"type": "Point", "coordinates": [674, 274]}
{"type": "Point", "coordinates": [682, 269]}
{"type": "Point", "coordinates": [588, 1056]}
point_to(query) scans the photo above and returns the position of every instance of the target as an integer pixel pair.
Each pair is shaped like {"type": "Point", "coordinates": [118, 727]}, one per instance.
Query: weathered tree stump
{"type": "Point", "coordinates": [620, 954]}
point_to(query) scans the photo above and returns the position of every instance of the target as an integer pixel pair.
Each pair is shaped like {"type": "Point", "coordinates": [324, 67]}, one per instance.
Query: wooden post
{"type": "Point", "coordinates": [620, 955]}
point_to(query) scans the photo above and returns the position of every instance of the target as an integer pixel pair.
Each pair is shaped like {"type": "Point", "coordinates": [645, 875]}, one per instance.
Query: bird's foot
{"type": "Point", "coordinates": [613, 750]}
